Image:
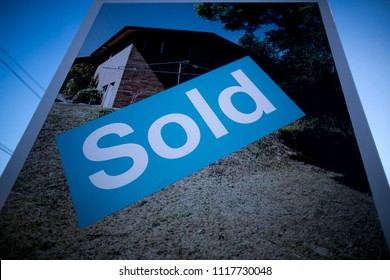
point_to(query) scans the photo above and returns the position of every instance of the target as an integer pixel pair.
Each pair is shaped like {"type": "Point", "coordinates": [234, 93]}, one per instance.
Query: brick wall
{"type": "Point", "coordinates": [204, 51]}
{"type": "Point", "coordinates": [138, 81]}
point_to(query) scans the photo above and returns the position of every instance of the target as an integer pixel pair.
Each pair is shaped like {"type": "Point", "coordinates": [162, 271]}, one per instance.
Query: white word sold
{"type": "Point", "coordinates": [138, 153]}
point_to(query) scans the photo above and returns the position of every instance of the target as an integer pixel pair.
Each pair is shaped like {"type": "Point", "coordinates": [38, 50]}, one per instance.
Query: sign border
{"type": "Point", "coordinates": [375, 172]}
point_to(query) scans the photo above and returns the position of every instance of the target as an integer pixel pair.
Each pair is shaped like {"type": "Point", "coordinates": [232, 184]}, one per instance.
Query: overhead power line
{"type": "Point", "coordinates": [20, 77]}
{"type": "Point", "coordinates": [5, 149]}
{"type": "Point", "coordinates": [175, 67]}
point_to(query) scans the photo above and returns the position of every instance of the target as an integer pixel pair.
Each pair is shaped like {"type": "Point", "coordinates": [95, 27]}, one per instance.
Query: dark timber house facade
{"type": "Point", "coordinates": [138, 62]}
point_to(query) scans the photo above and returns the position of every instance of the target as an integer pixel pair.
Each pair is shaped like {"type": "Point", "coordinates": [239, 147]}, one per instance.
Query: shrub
{"type": "Point", "coordinates": [88, 96]}
{"type": "Point", "coordinates": [80, 76]}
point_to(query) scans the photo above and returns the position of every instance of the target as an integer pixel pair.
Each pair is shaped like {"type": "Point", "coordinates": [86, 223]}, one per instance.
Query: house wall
{"type": "Point", "coordinates": [138, 81]}
{"type": "Point", "coordinates": [166, 51]}
{"type": "Point", "coordinates": [109, 76]}
{"type": "Point", "coordinates": [151, 63]}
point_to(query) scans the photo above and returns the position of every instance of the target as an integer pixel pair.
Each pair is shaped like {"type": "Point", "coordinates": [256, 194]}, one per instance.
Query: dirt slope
{"type": "Point", "coordinates": [255, 204]}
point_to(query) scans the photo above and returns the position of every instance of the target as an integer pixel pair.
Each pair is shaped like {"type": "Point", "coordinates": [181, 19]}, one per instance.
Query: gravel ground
{"type": "Point", "coordinates": [256, 203]}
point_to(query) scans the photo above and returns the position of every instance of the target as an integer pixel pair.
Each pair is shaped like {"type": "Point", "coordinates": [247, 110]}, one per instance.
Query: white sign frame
{"type": "Point", "coordinates": [375, 172]}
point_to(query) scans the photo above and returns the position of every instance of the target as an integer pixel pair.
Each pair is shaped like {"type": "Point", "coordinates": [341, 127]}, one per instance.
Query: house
{"type": "Point", "coordinates": [138, 62]}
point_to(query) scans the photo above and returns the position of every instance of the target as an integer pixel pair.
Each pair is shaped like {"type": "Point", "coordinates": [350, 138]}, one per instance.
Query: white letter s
{"type": "Point", "coordinates": [92, 152]}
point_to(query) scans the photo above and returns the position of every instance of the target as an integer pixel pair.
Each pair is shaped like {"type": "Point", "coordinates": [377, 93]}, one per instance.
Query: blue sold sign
{"type": "Point", "coordinates": [127, 155]}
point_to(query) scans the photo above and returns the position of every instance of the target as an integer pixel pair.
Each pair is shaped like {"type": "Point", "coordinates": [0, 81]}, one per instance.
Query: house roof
{"type": "Point", "coordinates": [127, 34]}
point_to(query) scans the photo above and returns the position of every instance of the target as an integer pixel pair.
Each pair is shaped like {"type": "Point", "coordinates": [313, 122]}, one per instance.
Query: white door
{"type": "Point", "coordinates": [108, 96]}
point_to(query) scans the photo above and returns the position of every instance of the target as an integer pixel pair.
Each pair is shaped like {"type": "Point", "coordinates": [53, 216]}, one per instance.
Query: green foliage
{"type": "Point", "coordinates": [88, 96]}
{"type": "Point", "coordinates": [294, 51]}
{"type": "Point", "coordinates": [238, 16]}
{"type": "Point", "coordinates": [263, 51]}
{"type": "Point", "coordinates": [296, 54]}
{"type": "Point", "coordinates": [80, 76]}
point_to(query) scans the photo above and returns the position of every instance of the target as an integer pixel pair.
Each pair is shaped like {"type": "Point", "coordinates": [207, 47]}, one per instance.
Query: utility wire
{"type": "Point", "coordinates": [152, 71]}
{"type": "Point", "coordinates": [19, 77]}
{"type": "Point", "coordinates": [171, 62]}
{"type": "Point", "coordinates": [5, 149]}
{"type": "Point", "coordinates": [24, 71]}
{"type": "Point", "coordinates": [135, 69]}
{"type": "Point", "coordinates": [185, 62]}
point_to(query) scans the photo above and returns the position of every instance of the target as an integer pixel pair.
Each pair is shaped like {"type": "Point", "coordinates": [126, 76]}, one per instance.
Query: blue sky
{"type": "Point", "coordinates": [38, 33]}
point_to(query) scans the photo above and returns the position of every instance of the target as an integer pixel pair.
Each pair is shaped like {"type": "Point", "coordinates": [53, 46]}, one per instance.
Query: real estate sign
{"type": "Point", "coordinates": [127, 155]}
